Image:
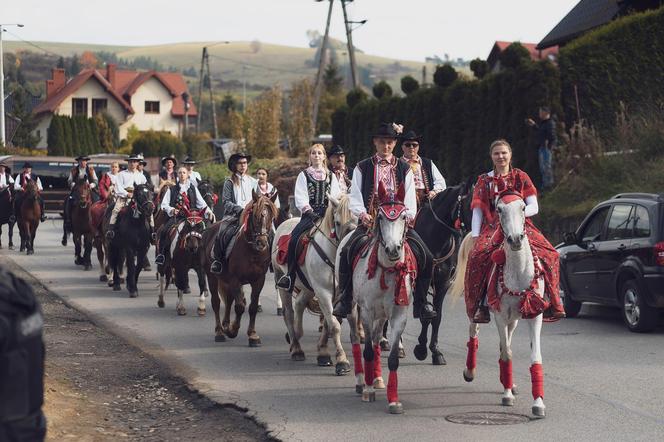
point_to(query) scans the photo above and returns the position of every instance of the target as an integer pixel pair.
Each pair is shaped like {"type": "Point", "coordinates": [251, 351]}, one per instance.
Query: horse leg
{"type": "Point", "coordinates": [378, 382]}
{"type": "Point", "coordinates": [397, 326]}
{"type": "Point", "coordinates": [87, 261]}
{"type": "Point", "coordinates": [353, 322]}
{"type": "Point", "coordinates": [300, 304]}
{"type": "Point", "coordinates": [334, 328]}
{"type": "Point", "coordinates": [280, 306]}
{"type": "Point", "coordinates": [324, 359]}
{"type": "Point", "coordinates": [180, 307]}
{"type": "Point", "coordinates": [256, 287]}
{"type": "Point", "coordinates": [471, 357]}
{"type": "Point", "coordinates": [0, 236]}
{"type": "Point", "coordinates": [215, 300]}
{"type": "Point", "coordinates": [536, 370]}
{"type": "Point", "coordinates": [368, 393]}
{"type": "Point", "coordinates": [296, 352]}
{"type": "Point", "coordinates": [130, 257]}
{"type": "Point", "coordinates": [162, 289]}
{"type": "Point", "coordinates": [384, 342]}
{"type": "Point", "coordinates": [100, 257]}
{"type": "Point", "coordinates": [115, 259]}
{"type": "Point", "coordinates": [225, 295]}
{"type": "Point", "coordinates": [236, 296]}
{"type": "Point", "coordinates": [181, 277]}
{"type": "Point", "coordinates": [203, 290]}
{"type": "Point", "coordinates": [505, 360]}
{"type": "Point", "coordinates": [10, 231]}
{"type": "Point", "coordinates": [77, 249]}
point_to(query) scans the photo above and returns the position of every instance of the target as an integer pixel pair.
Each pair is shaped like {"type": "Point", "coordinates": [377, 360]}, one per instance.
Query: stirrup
{"type": "Point", "coordinates": [284, 282]}
{"type": "Point", "coordinates": [216, 267]}
{"type": "Point", "coordinates": [343, 308]}
{"type": "Point", "coordinates": [160, 259]}
{"type": "Point", "coordinates": [12, 219]}
{"type": "Point", "coordinates": [110, 234]}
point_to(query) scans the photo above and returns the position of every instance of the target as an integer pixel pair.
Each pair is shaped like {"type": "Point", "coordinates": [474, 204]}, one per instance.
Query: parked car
{"type": "Point", "coordinates": [616, 257]}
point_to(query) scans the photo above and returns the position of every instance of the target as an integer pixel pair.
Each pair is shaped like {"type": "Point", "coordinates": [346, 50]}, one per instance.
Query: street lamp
{"type": "Point", "coordinates": [185, 98]}
{"type": "Point", "coordinates": [2, 83]}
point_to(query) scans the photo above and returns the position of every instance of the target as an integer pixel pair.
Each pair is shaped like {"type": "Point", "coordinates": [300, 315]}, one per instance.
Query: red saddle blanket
{"type": "Point", "coordinates": [282, 249]}
{"type": "Point", "coordinates": [97, 211]}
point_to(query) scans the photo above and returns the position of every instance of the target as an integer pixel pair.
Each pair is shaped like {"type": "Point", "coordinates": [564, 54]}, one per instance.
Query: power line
{"type": "Point", "coordinates": [34, 44]}
{"type": "Point", "coordinates": [268, 68]}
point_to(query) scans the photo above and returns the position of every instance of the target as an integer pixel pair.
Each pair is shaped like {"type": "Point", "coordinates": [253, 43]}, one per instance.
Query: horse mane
{"type": "Point", "coordinates": [342, 209]}
{"type": "Point", "coordinates": [164, 184]}
{"type": "Point", "coordinates": [261, 203]}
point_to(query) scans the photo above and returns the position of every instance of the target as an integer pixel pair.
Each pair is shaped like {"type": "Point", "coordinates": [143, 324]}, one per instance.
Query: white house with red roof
{"type": "Point", "coordinates": [148, 100]}
{"type": "Point", "coordinates": [493, 59]}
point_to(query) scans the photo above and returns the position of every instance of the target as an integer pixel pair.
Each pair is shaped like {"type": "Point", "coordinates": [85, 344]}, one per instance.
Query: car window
{"type": "Point", "coordinates": [620, 226]}
{"type": "Point", "coordinates": [641, 222]}
{"type": "Point", "coordinates": [593, 229]}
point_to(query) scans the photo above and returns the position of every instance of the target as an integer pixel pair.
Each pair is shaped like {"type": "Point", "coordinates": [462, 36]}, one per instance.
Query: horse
{"type": "Point", "coordinates": [383, 284]}
{"type": "Point", "coordinates": [187, 251]}
{"type": "Point", "coordinates": [316, 278]}
{"type": "Point", "coordinates": [81, 223]}
{"type": "Point", "coordinates": [7, 215]}
{"type": "Point", "coordinates": [519, 286]}
{"type": "Point", "coordinates": [132, 238]}
{"type": "Point", "coordinates": [247, 264]}
{"type": "Point", "coordinates": [29, 215]}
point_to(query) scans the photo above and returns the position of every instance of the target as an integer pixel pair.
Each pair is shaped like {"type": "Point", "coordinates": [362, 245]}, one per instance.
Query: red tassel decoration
{"type": "Point", "coordinates": [357, 358]}
{"type": "Point", "coordinates": [471, 358]}
{"type": "Point", "coordinates": [392, 387]}
{"type": "Point", "coordinates": [537, 378]}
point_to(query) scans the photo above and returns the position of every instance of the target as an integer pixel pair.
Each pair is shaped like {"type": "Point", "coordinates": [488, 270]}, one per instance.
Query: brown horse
{"type": "Point", "coordinates": [160, 217]}
{"type": "Point", "coordinates": [81, 228]}
{"type": "Point", "coordinates": [247, 264]}
{"type": "Point", "coordinates": [29, 214]}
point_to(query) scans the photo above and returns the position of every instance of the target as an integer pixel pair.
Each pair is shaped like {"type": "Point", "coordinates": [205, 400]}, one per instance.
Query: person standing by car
{"type": "Point", "coordinates": [485, 222]}
{"type": "Point", "coordinates": [546, 142]}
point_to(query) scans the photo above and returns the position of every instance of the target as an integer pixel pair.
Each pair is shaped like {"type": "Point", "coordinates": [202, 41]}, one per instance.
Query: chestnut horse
{"type": "Point", "coordinates": [248, 263]}
{"type": "Point", "coordinates": [81, 228]}
{"type": "Point", "coordinates": [29, 214]}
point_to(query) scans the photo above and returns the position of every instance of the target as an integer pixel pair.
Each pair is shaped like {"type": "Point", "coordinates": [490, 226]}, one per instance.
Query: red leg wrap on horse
{"type": "Point", "coordinates": [357, 358]}
{"type": "Point", "coordinates": [378, 371]}
{"type": "Point", "coordinates": [368, 372]}
{"type": "Point", "coordinates": [537, 378]}
{"type": "Point", "coordinates": [506, 373]}
{"type": "Point", "coordinates": [471, 358]}
{"type": "Point", "coordinates": [392, 385]}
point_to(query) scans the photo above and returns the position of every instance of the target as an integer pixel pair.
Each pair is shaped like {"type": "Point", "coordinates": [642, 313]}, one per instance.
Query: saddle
{"type": "Point", "coordinates": [300, 250]}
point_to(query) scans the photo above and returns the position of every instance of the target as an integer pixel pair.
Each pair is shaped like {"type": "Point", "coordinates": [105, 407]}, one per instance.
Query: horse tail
{"type": "Point", "coordinates": [457, 285]}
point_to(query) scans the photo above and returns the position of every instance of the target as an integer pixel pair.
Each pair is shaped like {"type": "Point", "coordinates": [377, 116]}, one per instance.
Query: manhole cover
{"type": "Point", "coordinates": [487, 418]}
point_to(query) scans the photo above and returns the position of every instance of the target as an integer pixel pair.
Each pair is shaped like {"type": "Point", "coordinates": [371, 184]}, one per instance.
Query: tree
{"type": "Point", "coordinates": [409, 84]}
{"type": "Point", "coordinates": [382, 90]}
{"type": "Point", "coordinates": [514, 56]}
{"type": "Point", "coordinates": [445, 75]}
{"type": "Point", "coordinates": [299, 129]}
{"type": "Point", "coordinates": [61, 63]}
{"type": "Point", "coordinates": [228, 103]}
{"type": "Point", "coordinates": [55, 137]}
{"type": "Point", "coordinates": [264, 118]}
{"type": "Point", "coordinates": [24, 136]}
{"type": "Point", "coordinates": [331, 79]}
{"type": "Point", "coordinates": [105, 135]}
{"type": "Point", "coordinates": [88, 60]}
{"type": "Point", "coordinates": [113, 127]}
{"type": "Point", "coordinates": [74, 67]}
{"type": "Point", "coordinates": [479, 67]}
{"type": "Point", "coordinates": [355, 96]}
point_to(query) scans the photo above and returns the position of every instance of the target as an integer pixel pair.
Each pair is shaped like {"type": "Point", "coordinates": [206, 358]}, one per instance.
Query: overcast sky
{"type": "Point", "coordinates": [406, 29]}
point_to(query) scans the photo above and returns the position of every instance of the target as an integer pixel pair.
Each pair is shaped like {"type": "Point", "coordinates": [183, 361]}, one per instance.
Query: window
{"type": "Point", "coordinates": [99, 105]}
{"type": "Point", "coordinates": [79, 106]}
{"type": "Point", "coordinates": [641, 223]}
{"type": "Point", "coordinates": [620, 226]}
{"type": "Point", "coordinates": [593, 229]}
{"type": "Point", "coordinates": [151, 107]}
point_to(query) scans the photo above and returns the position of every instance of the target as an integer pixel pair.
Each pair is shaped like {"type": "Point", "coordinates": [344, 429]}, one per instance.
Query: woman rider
{"type": "Point", "coordinates": [312, 188]}
{"type": "Point", "coordinates": [502, 178]}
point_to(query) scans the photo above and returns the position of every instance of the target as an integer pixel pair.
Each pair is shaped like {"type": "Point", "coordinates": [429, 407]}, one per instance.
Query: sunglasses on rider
{"type": "Point", "coordinates": [411, 144]}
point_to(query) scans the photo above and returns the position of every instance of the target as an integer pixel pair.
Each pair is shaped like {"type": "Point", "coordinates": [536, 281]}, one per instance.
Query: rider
{"type": "Point", "coordinates": [108, 180]}
{"type": "Point", "coordinates": [235, 195]}
{"type": "Point", "coordinates": [392, 171]}
{"type": "Point", "coordinates": [194, 176]}
{"type": "Point", "coordinates": [502, 178]}
{"type": "Point", "coordinates": [81, 171]}
{"type": "Point", "coordinates": [313, 187]}
{"type": "Point", "coordinates": [6, 179]}
{"type": "Point", "coordinates": [19, 186]}
{"type": "Point", "coordinates": [124, 187]}
{"type": "Point", "coordinates": [336, 159]}
{"type": "Point", "coordinates": [178, 200]}
{"type": "Point", "coordinates": [141, 168]}
{"type": "Point", "coordinates": [168, 169]}
{"type": "Point", "coordinates": [264, 187]}
{"type": "Point", "coordinates": [428, 179]}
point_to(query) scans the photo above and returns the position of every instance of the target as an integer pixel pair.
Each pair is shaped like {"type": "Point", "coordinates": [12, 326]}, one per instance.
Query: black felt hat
{"type": "Point", "coordinates": [27, 165]}
{"type": "Point", "coordinates": [170, 157]}
{"type": "Point", "coordinates": [336, 150]}
{"type": "Point", "coordinates": [411, 136]}
{"type": "Point", "coordinates": [82, 158]}
{"type": "Point", "coordinates": [386, 130]}
{"type": "Point", "coordinates": [189, 160]}
{"type": "Point", "coordinates": [234, 159]}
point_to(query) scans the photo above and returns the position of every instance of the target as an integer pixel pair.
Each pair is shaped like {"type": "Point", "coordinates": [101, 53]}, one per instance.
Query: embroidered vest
{"type": "Point", "coordinates": [88, 174]}
{"type": "Point", "coordinates": [368, 170]}
{"type": "Point", "coordinates": [177, 200]}
{"type": "Point", "coordinates": [318, 191]}
{"type": "Point", "coordinates": [21, 181]}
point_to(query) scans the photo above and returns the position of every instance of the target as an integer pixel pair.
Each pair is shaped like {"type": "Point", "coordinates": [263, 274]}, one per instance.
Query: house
{"type": "Point", "coordinates": [535, 54]}
{"type": "Point", "coordinates": [590, 14]}
{"type": "Point", "coordinates": [148, 100]}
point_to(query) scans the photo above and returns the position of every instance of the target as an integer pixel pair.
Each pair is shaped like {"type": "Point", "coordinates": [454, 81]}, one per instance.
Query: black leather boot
{"type": "Point", "coordinates": [217, 265]}
{"type": "Point", "coordinates": [422, 308]}
{"type": "Point", "coordinates": [345, 304]}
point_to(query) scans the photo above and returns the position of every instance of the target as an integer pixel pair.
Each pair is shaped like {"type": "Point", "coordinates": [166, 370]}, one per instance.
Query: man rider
{"type": "Point", "coordinates": [80, 171]}
{"type": "Point", "coordinates": [19, 185]}
{"type": "Point", "coordinates": [392, 172]}
{"type": "Point", "coordinates": [141, 168]}
{"type": "Point", "coordinates": [336, 159]}
{"type": "Point", "coordinates": [428, 179]}
{"type": "Point", "coordinates": [194, 176]}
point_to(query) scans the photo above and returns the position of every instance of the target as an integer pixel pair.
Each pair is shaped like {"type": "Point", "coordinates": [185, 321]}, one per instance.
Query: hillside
{"type": "Point", "coordinates": [265, 63]}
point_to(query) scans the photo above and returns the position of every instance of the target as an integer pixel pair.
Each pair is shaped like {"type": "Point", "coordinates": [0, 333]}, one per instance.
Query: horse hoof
{"type": "Point", "coordinates": [298, 356]}
{"type": "Point", "coordinates": [186, 291]}
{"type": "Point", "coordinates": [539, 412]}
{"type": "Point", "coordinates": [78, 261]}
{"type": "Point", "coordinates": [280, 311]}
{"type": "Point", "coordinates": [368, 396]}
{"type": "Point", "coordinates": [395, 408]}
{"type": "Point", "coordinates": [64, 242]}
{"type": "Point", "coordinates": [103, 278]}
{"type": "Point", "coordinates": [320, 329]}
{"type": "Point", "coordinates": [359, 389]}
{"type": "Point", "coordinates": [467, 377]}
{"type": "Point", "coordinates": [287, 338]}
{"type": "Point", "coordinates": [182, 311]}
{"type": "Point", "coordinates": [379, 384]}
{"type": "Point", "coordinates": [200, 311]}
{"type": "Point", "coordinates": [384, 345]}
{"type": "Point", "coordinates": [255, 342]}
{"type": "Point", "coordinates": [161, 303]}
{"type": "Point", "coordinates": [231, 334]}
{"type": "Point", "coordinates": [402, 353]}
{"type": "Point", "coordinates": [324, 361]}
{"type": "Point", "coordinates": [342, 368]}
{"type": "Point", "coordinates": [219, 338]}
{"type": "Point", "coordinates": [133, 294]}
{"type": "Point", "coordinates": [438, 359]}
{"type": "Point", "coordinates": [420, 351]}
{"type": "Point", "coordinates": [31, 252]}
{"type": "Point", "coordinates": [122, 280]}
{"type": "Point", "coordinates": [88, 267]}
{"type": "Point", "coordinates": [11, 247]}
{"type": "Point", "coordinates": [509, 402]}
{"type": "Point", "coordinates": [259, 309]}
{"type": "Point", "coordinates": [117, 288]}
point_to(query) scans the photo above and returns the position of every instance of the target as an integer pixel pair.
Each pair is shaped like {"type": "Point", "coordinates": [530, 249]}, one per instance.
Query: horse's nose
{"type": "Point", "coordinates": [515, 241]}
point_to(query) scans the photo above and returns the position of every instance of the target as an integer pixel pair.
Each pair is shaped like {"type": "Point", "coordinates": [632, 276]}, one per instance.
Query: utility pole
{"type": "Point", "coordinates": [200, 91]}
{"type": "Point", "coordinates": [319, 76]}
{"type": "Point", "coordinates": [214, 111]}
{"type": "Point", "coordinates": [244, 88]}
{"type": "Point", "coordinates": [2, 84]}
{"type": "Point", "coordinates": [351, 48]}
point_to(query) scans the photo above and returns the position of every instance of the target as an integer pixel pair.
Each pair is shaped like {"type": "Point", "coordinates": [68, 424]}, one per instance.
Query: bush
{"type": "Point", "coordinates": [409, 84]}
{"type": "Point", "coordinates": [382, 90]}
{"type": "Point", "coordinates": [479, 67]}
{"type": "Point", "coordinates": [356, 96]}
{"type": "Point", "coordinates": [444, 75]}
{"type": "Point", "coordinates": [514, 56]}
{"type": "Point", "coordinates": [158, 144]}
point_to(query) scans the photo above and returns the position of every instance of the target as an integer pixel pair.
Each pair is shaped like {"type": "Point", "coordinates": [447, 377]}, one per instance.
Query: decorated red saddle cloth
{"type": "Point", "coordinates": [282, 249]}
{"type": "Point", "coordinates": [97, 211]}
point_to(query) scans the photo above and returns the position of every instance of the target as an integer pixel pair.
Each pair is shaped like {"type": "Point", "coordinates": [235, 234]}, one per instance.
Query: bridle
{"type": "Point", "coordinates": [266, 222]}
{"type": "Point", "coordinates": [145, 207]}
{"type": "Point", "coordinates": [458, 208]}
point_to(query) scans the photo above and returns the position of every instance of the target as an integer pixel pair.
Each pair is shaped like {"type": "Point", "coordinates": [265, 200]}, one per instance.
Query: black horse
{"type": "Point", "coordinates": [441, 224]}
{"type": "Point", "coordinates": [132, 238]}
{"type": "Point", "coordinates": [7, 215]}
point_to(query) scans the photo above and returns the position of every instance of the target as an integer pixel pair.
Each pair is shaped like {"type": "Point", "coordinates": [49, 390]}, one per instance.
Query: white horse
{"type": "Point", "coordinates": [383, 271]}
{"type": "Point", "coordinates": [336, 223]}
{"type": "Point", "coordinates": [519, 277]}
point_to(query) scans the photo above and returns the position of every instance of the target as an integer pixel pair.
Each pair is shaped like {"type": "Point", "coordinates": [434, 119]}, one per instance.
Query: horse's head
{"type": "Point", "coordinates": [511, 211]}
{"type": "Point", "coordinates": [144, 199]}
{"type": "Point", "coordinates": [192, 233]}
{"type": "Point", "coordinates": [262, 212]}
{"type": "Point", "coordinates": [83, 193]}
{"type": "Point", "coordinates": [391, 221]}
{"type": "Point", "coordinates": [207, 192]}
{"type": "Point", "coordinates": [31, 190]}
{"type": "Point", "coordinates": [344, 220]}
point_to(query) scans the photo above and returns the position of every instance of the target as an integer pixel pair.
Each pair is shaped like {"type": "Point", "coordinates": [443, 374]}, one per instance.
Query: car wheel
{"type": "Point", "coordinates": [572, 307]}
{"type": "Point", "coordinates": [638, 315]}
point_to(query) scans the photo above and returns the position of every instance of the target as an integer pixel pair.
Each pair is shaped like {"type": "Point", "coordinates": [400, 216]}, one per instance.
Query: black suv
{"type": "Point", "coordinates": [616, 257]}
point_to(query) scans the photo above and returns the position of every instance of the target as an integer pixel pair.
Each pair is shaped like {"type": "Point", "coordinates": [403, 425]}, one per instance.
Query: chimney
{"type": "Point", "coordinates": [56, 83]}
{"type": "Point", "coordinates": [110, 73]}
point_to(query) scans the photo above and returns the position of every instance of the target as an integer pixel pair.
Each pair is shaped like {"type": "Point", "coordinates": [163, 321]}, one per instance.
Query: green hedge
{"type": "Point", "coordinates": [459, 122]}
{"type": "Point", "coordinates": [73, 136]}
{"type": "Point", "coordinates": [620, 62]}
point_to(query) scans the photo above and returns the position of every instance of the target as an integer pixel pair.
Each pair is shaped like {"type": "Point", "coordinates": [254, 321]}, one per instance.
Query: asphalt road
{"type": "Point", "coordinates": [601, 381]}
